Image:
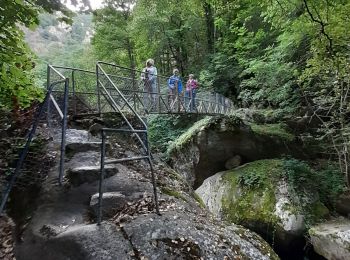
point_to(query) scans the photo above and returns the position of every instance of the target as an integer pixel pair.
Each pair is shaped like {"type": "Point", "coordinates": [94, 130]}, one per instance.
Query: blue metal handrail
{"type": "Point", "coordinates": [24, 151]}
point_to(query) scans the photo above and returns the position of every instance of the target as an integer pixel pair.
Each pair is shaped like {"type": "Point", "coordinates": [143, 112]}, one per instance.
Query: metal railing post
{"type": "Point", "coordinates": [73, 90]}
{"type": "Point", "coordinates": [48, 115]}
{"type": "Point", "coordinates": [102, 173]}
{"type": "Point", "coordinates": [134, 87]}
{"type": "Point", "coordinates": [98, 91]}
{"type": "Point", "coordinates": [158, 91]}
{"type": "Point", "coordinates": [148, 151]}
{"type": "Point", "coordinates": [64, 128]}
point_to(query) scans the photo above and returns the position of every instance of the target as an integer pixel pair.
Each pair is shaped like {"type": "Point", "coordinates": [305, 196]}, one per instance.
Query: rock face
{"type": "Point", "coordinates": [205, 148]}
{"type": "Point", "coordinates": [332, 239]}
{"type": "Point", "coordinates": [233, 162]}
{"type": "Point", "coordinates": [62, 227]}
{"type": "Point", "coordinates": [184, 235]}
{"type": "Point", "coordinates": [256, 196]}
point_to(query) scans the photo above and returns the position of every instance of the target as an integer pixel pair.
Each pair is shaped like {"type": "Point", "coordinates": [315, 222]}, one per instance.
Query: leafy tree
{"type": "Point", "coordinates": [112, 40]}
{"type": "Point", "coordinates": [172, 32]}
{"type": "Point", "coordinates": [16, 60]}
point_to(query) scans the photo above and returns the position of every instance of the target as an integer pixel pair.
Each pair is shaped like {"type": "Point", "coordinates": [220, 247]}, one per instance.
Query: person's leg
{"type": "Point", "coordinates": [194, 108]}
{"type": "Point", "coordinates": [146, 96]}
{"type": "Point", "coordinates": [187, 100]}
{"type": "Point", "coordinates": [152, 95]}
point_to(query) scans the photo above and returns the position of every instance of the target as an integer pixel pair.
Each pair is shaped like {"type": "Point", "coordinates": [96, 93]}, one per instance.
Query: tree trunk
{"type": "Point", "coordinates": [209, 18]}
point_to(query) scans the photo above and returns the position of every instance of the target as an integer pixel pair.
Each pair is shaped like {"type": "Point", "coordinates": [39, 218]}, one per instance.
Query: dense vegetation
{"type": "Point", "coordinates": [290, 55]}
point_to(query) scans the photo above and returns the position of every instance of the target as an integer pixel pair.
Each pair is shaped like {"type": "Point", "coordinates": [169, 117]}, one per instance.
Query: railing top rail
{"type": "Point", "coordinates": [72, 68]}
{"type": "Point", "coordinates": [129, 69]}
{"type": "Point", "coordinates": [55, 70]}
{"type": "Point", "coordinates": [122, 96]}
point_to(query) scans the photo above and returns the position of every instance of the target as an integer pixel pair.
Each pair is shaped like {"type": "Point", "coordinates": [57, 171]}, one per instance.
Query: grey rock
{"type": "Point", "coordinates": [332, 239]}
{"type": "Point", "coordinates": [95, 129]}
{"type": "Point", "coordinates": [233, 162]}
{"type": "Point", "coordinates": [72, 136]}
{"type": "Point", "coordinates": [83, 242]}
{"type": "Point", "coordinates": [112, 202]}
{"type": "Point", "coordinates": [176, 235]}
{"type": "Point", "coordinates": [289, 221]}
{"type": "Point", "coordinates": [89, 174]}
{"type": "Point", "coordinates": [208, 148]}
{"type": "Point", "coordinates": [83, 147]}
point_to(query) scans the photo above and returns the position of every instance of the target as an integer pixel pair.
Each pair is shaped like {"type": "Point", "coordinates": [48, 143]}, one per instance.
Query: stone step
{"type": "Point", "coordinates": [112, 202]}
{"type": "Point", "coordinates": [72, 148]}
{"type": "Point", "coordinates": [89, 174]}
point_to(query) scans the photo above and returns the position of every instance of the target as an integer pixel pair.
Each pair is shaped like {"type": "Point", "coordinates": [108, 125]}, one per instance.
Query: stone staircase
{"type": "Point", "coordinates": [63, 209]}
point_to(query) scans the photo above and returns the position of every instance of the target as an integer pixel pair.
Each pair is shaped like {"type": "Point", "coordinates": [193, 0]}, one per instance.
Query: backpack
{"type": "Point", "coordinates": [146, 74]}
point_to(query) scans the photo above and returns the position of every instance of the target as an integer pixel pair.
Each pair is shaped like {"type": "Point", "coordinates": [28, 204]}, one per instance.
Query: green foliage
{"type": "Point", "coordinates": [278, 130]}
{"type": "Point", "coordinates": [252, 187]}
{"type": "Point", "coordinates": [112, 39]}
{"type": "Point", "coordinates": [166, 129]}
{"type": "Point", "coordinates": [17, 84]}
{"type": "Point", "coordinates": [328, 182]}
{"type": "Point", "coordinates": [257, 175]}
{"type": "Point", "coordinates": [16, 61]}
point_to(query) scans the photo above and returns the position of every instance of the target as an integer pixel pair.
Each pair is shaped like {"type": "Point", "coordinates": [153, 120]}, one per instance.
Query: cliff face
{"type": "Point", "coordinates": [52, 36]}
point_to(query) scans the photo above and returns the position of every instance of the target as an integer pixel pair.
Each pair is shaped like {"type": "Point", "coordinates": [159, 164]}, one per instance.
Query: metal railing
{"type": "Point", "coordinates": [120, 103]}
{"type": "Point", "coordinates": [113, 88]}
{"type": "Point", "coordinates": [54, 77]}
{"type": "Point", "coordinates": [158, 98]}
{"type": "Point", "coordinates": [63, 114]}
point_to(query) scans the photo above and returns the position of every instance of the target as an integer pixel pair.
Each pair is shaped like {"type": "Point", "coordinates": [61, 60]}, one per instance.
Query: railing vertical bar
{"type": "Point", "coordinates": [148, 151]}
{"type": "Point", "coordinates": [98, 91]}
{"type": "Point", "coordinates": [64, 128]}
{"type": "Point", "coordinates": [73, 90]}
{"type": "Point", "coordinates": [48, 115]}
{"type": "Point", "coordinates": [102, 172]}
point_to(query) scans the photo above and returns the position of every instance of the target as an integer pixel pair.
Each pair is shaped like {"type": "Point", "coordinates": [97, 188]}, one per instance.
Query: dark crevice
{"type": "Point", "coordinates": [127, 237]}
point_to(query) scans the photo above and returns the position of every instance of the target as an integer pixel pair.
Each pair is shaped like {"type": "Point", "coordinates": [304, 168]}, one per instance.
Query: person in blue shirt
{"type": "Point", "coordinates": [174, 88]}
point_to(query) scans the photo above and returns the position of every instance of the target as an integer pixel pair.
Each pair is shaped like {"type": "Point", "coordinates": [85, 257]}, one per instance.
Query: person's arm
{"type": "Point", "coordinates": [169, 80]}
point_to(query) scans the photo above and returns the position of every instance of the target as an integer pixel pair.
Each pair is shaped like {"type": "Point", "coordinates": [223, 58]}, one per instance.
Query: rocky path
{"type": "Point", "coordinates": [64, 227]}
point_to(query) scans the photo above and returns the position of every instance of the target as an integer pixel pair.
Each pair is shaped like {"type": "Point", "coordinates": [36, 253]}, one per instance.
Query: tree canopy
{"type": "Point", "coordinates": [279, 54]}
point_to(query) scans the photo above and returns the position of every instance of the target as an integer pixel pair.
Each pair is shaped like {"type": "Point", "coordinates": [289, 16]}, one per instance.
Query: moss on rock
{"type": "Point", "coordinates": [273, 130]}
{"type": "Point", "coordinates": [251, 197]}
{"type": "Point", "coordinates": [217, 122]}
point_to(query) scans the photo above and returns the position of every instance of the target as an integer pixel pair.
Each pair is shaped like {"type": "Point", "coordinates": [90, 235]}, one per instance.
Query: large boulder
{"type": "Point", "coordinates": [257, 196]}
{"type": "Point", "coordinates": [93, 242]}
{"type": "Point", "coordinates": [332, 239]}
{"type": "Point", "coordinates": [185, 235]}
{"type": "Point", "coordinates": [205, 148]}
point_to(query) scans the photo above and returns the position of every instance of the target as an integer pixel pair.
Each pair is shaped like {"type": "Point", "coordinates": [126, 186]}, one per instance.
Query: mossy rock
{"type": "Point", "coordinates": [258, 196]}
{"type": "Point", "coordinates": [274, 130]}
{"type": "Point", "coordinates": [220, 123]}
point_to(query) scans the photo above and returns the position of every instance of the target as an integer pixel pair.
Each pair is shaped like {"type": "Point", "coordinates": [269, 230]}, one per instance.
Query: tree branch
{"type": "Point", "coordinates": [323, 26]}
